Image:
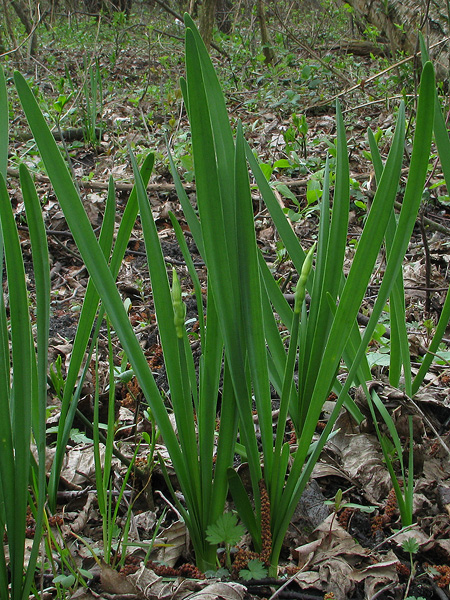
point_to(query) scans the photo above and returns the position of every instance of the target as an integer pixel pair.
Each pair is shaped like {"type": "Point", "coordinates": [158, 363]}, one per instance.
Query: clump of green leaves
{"type": "Point", "coordinates": [226, 530]}
{"type": "Point", "coordinates": [295, 135]}
{"type": "Point", "coordinates": [241, 339]}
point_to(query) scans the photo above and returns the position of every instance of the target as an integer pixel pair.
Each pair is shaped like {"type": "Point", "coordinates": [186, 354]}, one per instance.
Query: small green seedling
{"type": "Point", "coordinates": [56, 376]}
{"type": "Point", "coordinates": [225, 530]}
{"type": "Point", "coordinates": [60, 103]}
{"type": "Point", "coordinates": [411, 546]}
{"type": "Point", "coordinates": [339, 505]}
{"type": "Point", "coordinates": [429, 326]}
{"type": "Point", "coordinates": [66, 581]}
{"type": "Point", "coordinates": [255, 570]}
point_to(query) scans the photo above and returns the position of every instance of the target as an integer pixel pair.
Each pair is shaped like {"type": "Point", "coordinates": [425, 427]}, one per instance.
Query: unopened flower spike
{"type": "Point", "coordinates": [179, 309]}
{"type": "Point", "coordinates": [300, 290]}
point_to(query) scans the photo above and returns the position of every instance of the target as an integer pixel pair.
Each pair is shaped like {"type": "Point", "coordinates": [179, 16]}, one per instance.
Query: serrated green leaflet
{"type": "Point", "coordinates": [225, 530]}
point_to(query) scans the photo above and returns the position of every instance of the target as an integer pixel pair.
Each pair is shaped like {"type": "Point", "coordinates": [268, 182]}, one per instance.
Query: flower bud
{"type": "Point", "coordinates": [179, 309]}
{"type": "Point", "coordinates": [300, 290]}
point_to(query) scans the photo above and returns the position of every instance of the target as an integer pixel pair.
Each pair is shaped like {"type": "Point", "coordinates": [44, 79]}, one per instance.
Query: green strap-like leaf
{"type": "Point", "coordinates": [443, 145]}
{"type": "Point", "coordinates": [3, 124]}
{"type": "Point", "coordinates": [7, 466]}
{"type": "Point", "coordinates": [399, 355]}
{"type": "Point", "coordinates": [245, 510]}
{"type": "Point", "coordinates": [188, 211]}
{"type": "Point", "coordinates": [97, 266]}
{"type": "Point", "coordinates": [330, 272]}
{"type": "Point", "coordinates": [251, 303]}
{"type": "Point", "coordinates": [179, 386]}
{"type": "Point", "coordinates": [84, 329]}
{"type": "Point", "coordinates": [226, 442]}
{"type": "Point", "coordinates": [219, 240]}
{"type": "Point", "coordinates": [15, 472]}
{"type": "Point", "coordinates": [411, 202]}
{"type": "Point", "coordinates": [282, 225]}
{"type": "Point", "coordinates": [41, 270]}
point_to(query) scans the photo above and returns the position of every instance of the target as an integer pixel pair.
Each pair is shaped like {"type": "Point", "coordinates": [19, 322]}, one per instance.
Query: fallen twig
{"type": "Point", "coordinates": [363, 83]}
{"type": "Point", "coordinates": [190, 187]}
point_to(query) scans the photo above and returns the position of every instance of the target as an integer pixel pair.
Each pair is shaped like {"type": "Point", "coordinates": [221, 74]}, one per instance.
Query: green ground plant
{"type": "Point", "coordinates": [404, 491]}
{"type": "Point", "coordinates": [241, 338]}
{"type": "Point", "coordinates": [400, 374]}
{"type": "Point", "coordinates": [24, 395]}
{"type": "Point", "coordinates": [93, 97]}
{"type": "Point", "coordinates": [23, 379]}
{"type": "Point", "coordinates": [227, 531]}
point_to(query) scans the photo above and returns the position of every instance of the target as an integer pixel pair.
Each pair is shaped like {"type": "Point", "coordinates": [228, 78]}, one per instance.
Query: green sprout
{"type": "Point", "coordinates": [225, 530]}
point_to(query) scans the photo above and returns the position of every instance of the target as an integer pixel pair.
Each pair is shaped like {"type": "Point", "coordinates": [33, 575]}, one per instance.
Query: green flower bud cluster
{"type": "Point", "coordinates": [300, 290]}
{"type": "Point", "coordinates": [179, 308]}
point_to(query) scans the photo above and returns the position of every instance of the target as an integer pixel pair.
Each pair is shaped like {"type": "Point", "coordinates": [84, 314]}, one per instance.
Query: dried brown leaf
{"type": "Point", "coordinates": [360, 457]}
{"type": "Point", "coordinates": [115, 583]}
{"type": "Point", "coordinates": [175, 536]}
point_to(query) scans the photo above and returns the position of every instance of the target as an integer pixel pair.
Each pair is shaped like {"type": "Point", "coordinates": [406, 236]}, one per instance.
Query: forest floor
{"type": "Point", "coordinates": [330, 548]}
